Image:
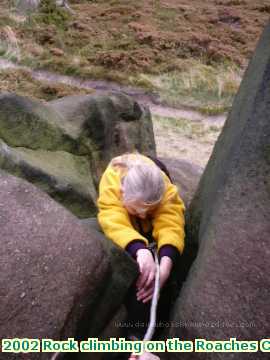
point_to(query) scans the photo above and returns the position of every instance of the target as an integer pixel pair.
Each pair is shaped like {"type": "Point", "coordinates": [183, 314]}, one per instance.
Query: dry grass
{"type": "Point", "coordinates": [9, 46]}
{"type": "Point", "coordinates": [145, 36]}
{"type": "Point", "coordinates": [187, 128]}
{"type": "Point", "coordinates": [21, 82]}
{"type": "Point", "coordinates": [193, 141]}
{"type": "Point", "coordinates": [210, 89]}
{"type": "Point", "coordinates": [26, 5]}
{"type": "Point", "coordinates": [125, 41]}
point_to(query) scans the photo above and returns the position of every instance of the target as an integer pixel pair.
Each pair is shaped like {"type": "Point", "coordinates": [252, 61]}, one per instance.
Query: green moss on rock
{"type": "Point", "coordinates": [34, 125]}
{"type": "Point", "coordinates": [65, 177]}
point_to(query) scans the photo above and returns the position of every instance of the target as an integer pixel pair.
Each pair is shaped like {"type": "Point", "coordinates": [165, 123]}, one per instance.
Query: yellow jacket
{"type": "Point", "coordinates": [166, 222]}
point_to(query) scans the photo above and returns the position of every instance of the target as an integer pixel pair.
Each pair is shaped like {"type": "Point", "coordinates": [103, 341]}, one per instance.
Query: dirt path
{"type": "Point", "coordinates": [150, 99]}
{"type": "Point", "coordinates": [190, 136]}
{"type": "Point", "coordinates": [192, 144]}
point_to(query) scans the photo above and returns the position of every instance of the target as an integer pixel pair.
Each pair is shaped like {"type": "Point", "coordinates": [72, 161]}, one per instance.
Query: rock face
{"type": "Point", "coordinates": [227, 291]}
{"type": "Point", "coordinates": [108, 126]}
{"type": "Point", "coordinates": [123, 271]}
{"type": "Point", "coordinates": [185, 175]}
{"type": "Point", "coordinates": [63, 146]}
{"type": "Point", "coordinates": [64, 176]}
{"type": "Point", "coordinates": [34, 125]}
{"type": "Point", "coordinates": [53, 269]}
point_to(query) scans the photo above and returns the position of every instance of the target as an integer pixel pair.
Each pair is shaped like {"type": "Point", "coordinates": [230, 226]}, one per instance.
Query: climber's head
{"type": "Point", "coordinates": [142, 188]}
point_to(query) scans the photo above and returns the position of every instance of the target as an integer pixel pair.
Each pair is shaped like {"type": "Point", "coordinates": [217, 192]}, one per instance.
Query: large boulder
{"type": "Point", "coordinates": [53, 270]}
{"type": "Point", "coordinates": [64, 176]}
{"type": "Point", "coordinates": [60, 277]}
{"type": "Point", "coordinates": [185, 176]}
{"type": "Point", "coordinates": [109, 125]}
{"type": "Point", "coordinates": [64, 146]}
{"type": "Point", "coordinates": [34, 125]}
{"type": "Point", "coordinates": [226, 294]}
{"type": "Point", "coordinates": [109, 312]}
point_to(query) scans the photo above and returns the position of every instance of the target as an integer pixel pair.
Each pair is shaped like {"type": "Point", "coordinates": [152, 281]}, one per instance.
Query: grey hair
{"type": "Point", "coordinates": [143, 182]}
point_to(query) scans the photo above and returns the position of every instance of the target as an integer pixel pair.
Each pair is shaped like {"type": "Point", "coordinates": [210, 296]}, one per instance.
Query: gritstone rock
{"type": "Point", "coordinates": [227, 291]}
{"type": "Point", "coordinates": [64, 146]}
{"type": "Point", "coordinates": [53, 269]}
{"type": "Point", "coordinates": [185, 175]}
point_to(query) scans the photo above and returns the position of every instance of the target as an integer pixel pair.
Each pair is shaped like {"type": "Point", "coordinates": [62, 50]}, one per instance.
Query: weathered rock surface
{"type": "Point", "coordinates": [53, 269]}
{"type": "Point", "coordinates": [64, 176]}
{"type": "Point", "coordinates": [34, 125]}
{"type": "Point", "coordinates": [109, 125]}
{"type": "Point", "coordinates": [108, 311]}
{"type": "Point", "coordinates": [227, 291]}
{"type": "Point", "coordinates": [63, 146]}
{"type": "Point", "coordinates": [185, 175]}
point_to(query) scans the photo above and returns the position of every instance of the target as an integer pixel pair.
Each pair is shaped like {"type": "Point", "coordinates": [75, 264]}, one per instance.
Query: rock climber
{"type": "Point", "coordinates": [139, 206]}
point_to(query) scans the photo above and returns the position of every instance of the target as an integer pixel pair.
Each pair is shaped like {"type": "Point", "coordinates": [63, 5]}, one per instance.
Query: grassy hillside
{"type": "Point", "coordinates": [192, 52]}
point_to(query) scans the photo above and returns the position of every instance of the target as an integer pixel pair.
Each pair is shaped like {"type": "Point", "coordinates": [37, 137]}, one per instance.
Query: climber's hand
{"type": "Point", "coordinates": [146, 280]}
{"type": "Point", "coordinates": [133, 357]}
{"type": "Point", "coordinates": [165, 268]}
{"type": "Point", "coordinates": [146, 295]}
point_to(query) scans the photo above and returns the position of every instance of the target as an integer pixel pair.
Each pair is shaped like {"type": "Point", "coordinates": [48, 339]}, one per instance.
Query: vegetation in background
{"type": "Point", "coordinates": [9, 48]}
{"type": "Point", "coordinates": [210, 89]}
{"type": "Point", "coordinates": [145, 43]}
{"type": "Point", "coordinates": [190, 140]}
{"type": "Point", "coordinates": [49, 13]}
{"type": "Point", "coordinates": [21, 82]}
{"type": "Point", "coordinates": [185, 127]}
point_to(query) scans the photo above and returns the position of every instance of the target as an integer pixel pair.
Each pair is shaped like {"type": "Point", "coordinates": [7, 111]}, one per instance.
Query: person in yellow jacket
{"type": "Point", "coordinates": [139, 204]}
